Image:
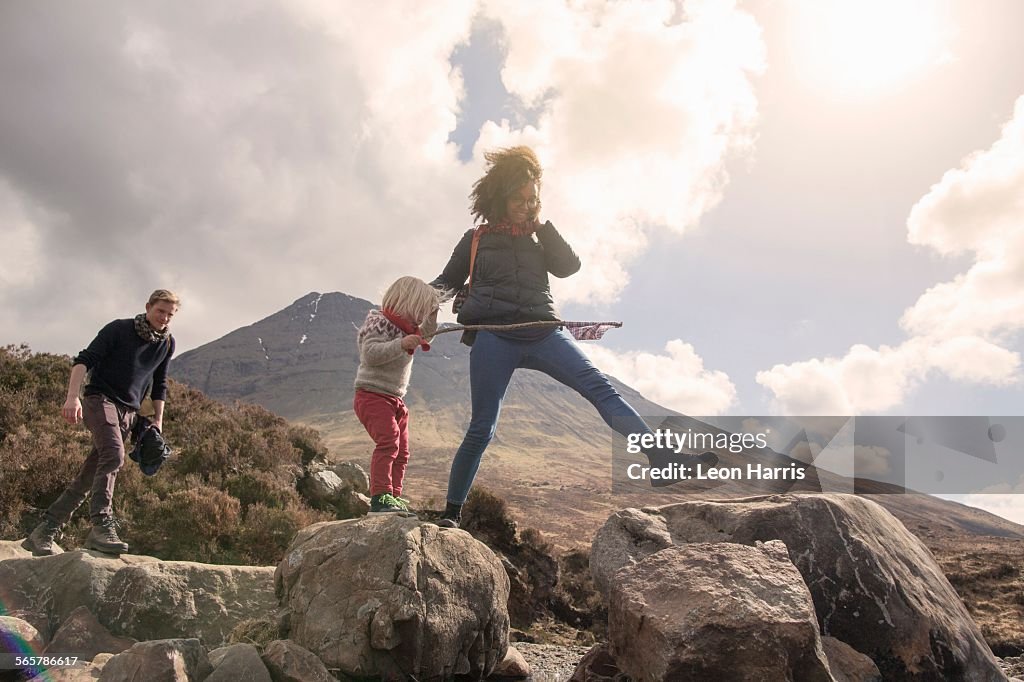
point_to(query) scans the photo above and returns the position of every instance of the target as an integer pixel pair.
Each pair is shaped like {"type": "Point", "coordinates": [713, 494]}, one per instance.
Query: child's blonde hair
{"type": "Point", "coordinates": [412, 298]}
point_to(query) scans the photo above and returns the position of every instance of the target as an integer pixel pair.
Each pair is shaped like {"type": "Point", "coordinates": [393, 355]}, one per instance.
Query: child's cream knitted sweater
{"type": "Point", "coordinates": [384, 366]}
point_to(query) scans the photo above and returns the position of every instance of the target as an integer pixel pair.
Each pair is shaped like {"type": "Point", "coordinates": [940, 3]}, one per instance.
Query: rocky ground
{"type": "Point", "coordinates": [986, 573]}
{"type": "Point", "coordinates": [551, 663]}
{"type": "Point", "coordinates": [1013, 667]}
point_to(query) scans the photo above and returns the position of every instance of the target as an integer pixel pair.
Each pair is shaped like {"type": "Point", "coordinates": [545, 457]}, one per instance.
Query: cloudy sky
{"type": "Point", "coordinates": [795, 206]}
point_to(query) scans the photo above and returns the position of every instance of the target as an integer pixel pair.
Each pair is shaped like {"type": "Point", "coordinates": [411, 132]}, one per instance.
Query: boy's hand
{"type": "Point", "coordinates": [72, 410]}
{"type": "Point", "coordinates": [411, 341]}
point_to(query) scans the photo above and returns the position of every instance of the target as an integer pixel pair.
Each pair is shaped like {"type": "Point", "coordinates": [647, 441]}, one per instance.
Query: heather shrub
{"type": "Point", "coordinates": [488, 519]}
{"type": "Point", "coordinates": [262, 487]}
{"type": "Point", "coordinates": [307, 441]}
{"type": "Point", "coordinates": [576, 599]}
{"type": "Point", "coordinates": [39, 453]}
{"type": "Point", "coordinates": [267, 532]}
{"type": "Point", "coordinates": [230, 480]}
{"type": "Point", "coordinates": [215, 442]}
{"type": "Point", "coordinates": [199, 522]}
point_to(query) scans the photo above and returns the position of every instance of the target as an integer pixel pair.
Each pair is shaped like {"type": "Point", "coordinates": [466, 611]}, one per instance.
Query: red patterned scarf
{"type": "Point", "coordinates": [511, 229]}
{"type": "Point", "coordinates": [406, 327]}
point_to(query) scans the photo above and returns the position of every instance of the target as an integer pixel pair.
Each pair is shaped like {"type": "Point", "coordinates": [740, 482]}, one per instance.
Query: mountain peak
{"type": "Point", "coordinates": [301, 361]}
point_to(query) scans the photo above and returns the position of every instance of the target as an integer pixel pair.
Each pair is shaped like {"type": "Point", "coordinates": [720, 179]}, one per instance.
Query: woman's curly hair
{"type": "Point", "coordinates": [508, 169]}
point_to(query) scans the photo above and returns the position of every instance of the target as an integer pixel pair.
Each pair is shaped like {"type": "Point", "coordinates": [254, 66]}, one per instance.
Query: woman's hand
{"type": "Point", "coordinates": [411, 341]}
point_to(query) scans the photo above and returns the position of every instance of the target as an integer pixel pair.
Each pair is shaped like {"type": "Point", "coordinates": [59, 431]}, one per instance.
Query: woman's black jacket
{"type": "Point", "coordinates": [510, 279]}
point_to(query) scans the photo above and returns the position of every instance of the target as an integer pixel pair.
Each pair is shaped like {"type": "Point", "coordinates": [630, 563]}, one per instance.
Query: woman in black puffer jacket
{"type": "Point", "coordinates": [509, 284]}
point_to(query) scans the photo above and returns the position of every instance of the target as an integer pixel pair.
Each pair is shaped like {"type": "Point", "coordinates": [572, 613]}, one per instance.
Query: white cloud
{"type": "Point", "coordinates": [1009, 505]}
{"type": "Point", "coordinates": [979, 209]}
{"type": "Point", "coordinates": [638, 117]}
{"type": "Point", "coordinates": [959, 328]}
{"type": "Point", "coordinates": [21, 253]}
{"type": "Point", "coordinates": [246, 153]}
{"type": "Point", "coordinates": [242, 154]}
{"type": "Point", "coordinates": [678, 379]}
{"type": "Point", "coordinates": [868, 380]}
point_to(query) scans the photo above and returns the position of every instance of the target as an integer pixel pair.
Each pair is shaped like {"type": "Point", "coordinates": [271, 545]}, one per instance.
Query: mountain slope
{"type": "Point", "coordinates": [551, 457]}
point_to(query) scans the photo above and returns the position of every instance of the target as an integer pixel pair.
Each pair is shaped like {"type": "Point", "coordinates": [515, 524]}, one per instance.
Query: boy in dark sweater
{"type": "Point", "coordinates": [123, 359]}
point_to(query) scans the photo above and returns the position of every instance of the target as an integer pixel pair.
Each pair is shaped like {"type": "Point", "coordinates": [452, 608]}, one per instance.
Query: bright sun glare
{"type": "Point", "coordinates": [853, 48]}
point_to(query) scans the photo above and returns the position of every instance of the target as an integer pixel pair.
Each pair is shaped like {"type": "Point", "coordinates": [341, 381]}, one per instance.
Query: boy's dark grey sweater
{"type": "Point", "coordinates": [121, 364]}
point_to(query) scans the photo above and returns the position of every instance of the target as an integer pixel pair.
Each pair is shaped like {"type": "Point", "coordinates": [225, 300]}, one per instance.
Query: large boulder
{"type": "Point", "coordinates": [390, 596]}
{"type": "Point", "coordinates": [875, 586]}
{"type": "Point", "coordinates": [137, 596]}
{"type": "Point", "coordinates": [628, 536]}
{"type": "Point", "coordinates": [173, 599]}
{"type": "Point", "coordinates": [713, 612]}
{"type": "Point", "coordinates": [45, 590]}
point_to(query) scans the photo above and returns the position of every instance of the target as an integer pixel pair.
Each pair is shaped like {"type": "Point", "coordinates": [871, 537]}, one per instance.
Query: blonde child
{"type": "Point", "coordinates": [387, 341]}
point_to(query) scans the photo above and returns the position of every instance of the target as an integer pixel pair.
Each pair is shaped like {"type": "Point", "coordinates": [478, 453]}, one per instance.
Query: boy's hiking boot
{"type": "Point", "coordinates": [103, 538]}
{"type": "Point", "coordinates": [41, 541]}
{"type": "Point", "coordinates": [452, 516]}
{"type": "Point", "coordinates": [402, 502]}
{"type": "Point", "coordinates": [387, 503]}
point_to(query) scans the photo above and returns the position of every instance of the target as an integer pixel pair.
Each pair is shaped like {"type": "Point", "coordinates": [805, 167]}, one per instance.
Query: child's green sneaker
{"type": "Point", "coordinates": [385, 502]}
{"type": "Point", "coordinates": [388, 503]}
{"type": "Point", "coordinates": [402, 502]}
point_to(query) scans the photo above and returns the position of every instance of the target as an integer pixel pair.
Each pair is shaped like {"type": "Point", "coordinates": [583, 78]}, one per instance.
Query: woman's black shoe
{"type": "Point", "coordinates": [452, 516]}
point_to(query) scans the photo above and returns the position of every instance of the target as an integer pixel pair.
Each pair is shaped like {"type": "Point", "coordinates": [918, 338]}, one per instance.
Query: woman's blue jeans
{"type": "Point", "coordinates": [492, 361]}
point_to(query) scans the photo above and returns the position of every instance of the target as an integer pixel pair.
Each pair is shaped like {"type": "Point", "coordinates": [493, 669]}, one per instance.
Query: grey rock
{"type": "Point", "coordinates": [45, 590]}
{"type": "Point", "coordinates": [84, 636]}
{"type": "Point", "coordinates": [289, 662]}
{"type": "Point", "coordinates": [875, 586]}
{"type": "Point", "coordinates": [628, 536]}
{"type": "Point", "coordinates": [237, 662]}
{"type": "Point", "coordinates": [683, 613]}
{"type": "Point", "coordinates": [79, 673]}
{"type": "Point", "coordinates": [165, 660]}
{"type": "Point", "coordinates": [353, 476]}
{"type": "Point", "coordinates": [185, 599]}
{"type": "Point", "coordinates": [848, 664]}
{"type": "Point", "coordinates": [390, 596]}
{"type": "Point", "coordinates": [322, 488]}
{"type": "Point", "coordinates": [597, 665]}
{"type": "Point", "coordinates": [14, 632]}
{"type": "Point", "coordinates": [513, 665]}
{"type": "Point", "coordinates": [12, 549]}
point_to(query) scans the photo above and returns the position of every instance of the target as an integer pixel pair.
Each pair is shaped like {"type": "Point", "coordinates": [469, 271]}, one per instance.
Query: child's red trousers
{"type": "Point", "coordinates": [386, 419]}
